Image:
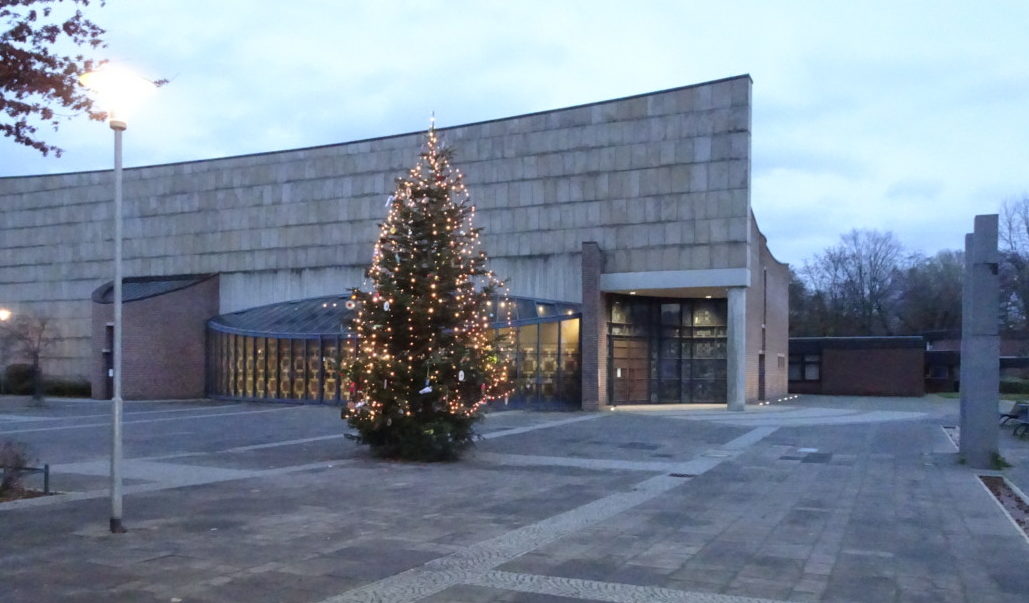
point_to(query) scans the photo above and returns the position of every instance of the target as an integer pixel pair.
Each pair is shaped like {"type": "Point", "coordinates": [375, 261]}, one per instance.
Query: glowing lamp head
{"type": "Point", "coordinates": [5, 315]}
{"type": "Point", "coordinates": [117, 91]}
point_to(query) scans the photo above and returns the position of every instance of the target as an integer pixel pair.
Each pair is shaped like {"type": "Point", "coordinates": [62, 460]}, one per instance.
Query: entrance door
{"type": "Point", "coordinates": [667, 351]}
{"type": "Point", "coordinates": [761, 376]}
{"type": "Point", "coordinates": [630, 369]}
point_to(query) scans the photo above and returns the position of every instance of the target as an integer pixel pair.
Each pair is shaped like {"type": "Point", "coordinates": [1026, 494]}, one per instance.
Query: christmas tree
{"type": "Point", "coordinates": [427, 357]}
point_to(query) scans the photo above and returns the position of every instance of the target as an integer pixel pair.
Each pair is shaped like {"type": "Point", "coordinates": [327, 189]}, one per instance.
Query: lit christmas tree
{"type": "Point", "coordinates": [427, 356]}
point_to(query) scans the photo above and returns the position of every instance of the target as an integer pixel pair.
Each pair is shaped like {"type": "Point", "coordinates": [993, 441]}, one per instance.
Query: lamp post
{"type": "Point", "coordinates": [116, 90]}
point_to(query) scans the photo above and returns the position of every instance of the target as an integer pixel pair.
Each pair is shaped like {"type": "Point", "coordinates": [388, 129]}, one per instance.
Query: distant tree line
{"type": "Point", "coordinates": [870, 284]}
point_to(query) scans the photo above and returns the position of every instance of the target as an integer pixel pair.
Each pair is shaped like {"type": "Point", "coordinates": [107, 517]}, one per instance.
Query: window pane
{"type": "Point", "coordinates": [527, 361]}
{"type": "Point", "coordinates": [346, 352]}
{"type": "Point", "coordinates": [811, 372]}
{"type": "Point", "coordinates": [314, 366]}
{"type": "Point", "coordinates": [571, 374]}
{"type": "Point", "coordinates": [709, 313]}
{"type": "Point", "coordinates": [249, 364]}
{"type": "Point", "coordinates": [526, 309]}
{"type": "Point", "coordinates": [225, 382]}
{"type": "Point", "coordinates": [668, 369]}
{"type": "Point", "coordinates": [548, 361]}
{"type": "Point", "coordinates": [330, 364]}
{"type": "Point", "coordinates": [260, 362]}
{"type": "Point", "coordinates": [240, 365]}
{"type": "Point", "coordinates": [670, 314]}
{"type": "Point", "coordinates": [273, 368]}
{"type": "Point", "coordinates": [620, 311]}
{"type": "Point", "coordinates": [299, 364]}
{"type": "Point", "coordinates": [709, 391]}
{"type": "Point", "coordinates": [285, 369]}
{"type": "Point", "coordinates": [670, 348]}
{"type": "Point", "coordinates": [795, 371]}
{"type": "Point", "coordinates": [709, 369]}
{"type": "Point", "coordinates": [668, 391]}
{"type": "Point", "coordinates": [709, 348]}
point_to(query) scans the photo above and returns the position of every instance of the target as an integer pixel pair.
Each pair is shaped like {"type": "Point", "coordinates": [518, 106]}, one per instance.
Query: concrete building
{"type": "Point", "coordinates": [637, 211]}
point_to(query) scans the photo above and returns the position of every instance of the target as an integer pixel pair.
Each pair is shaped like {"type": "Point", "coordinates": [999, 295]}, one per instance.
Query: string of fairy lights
{"type": "Point", "coordinates": [426, 341]}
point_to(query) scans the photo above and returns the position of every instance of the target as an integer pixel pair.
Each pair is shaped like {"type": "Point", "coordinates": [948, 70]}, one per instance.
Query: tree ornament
{"type": "Point", "coordinates": [385, 306]}
{"type": "Point", "coordinates": [460, 375]}
{"type": "Point", "coordinates": [350, 305]}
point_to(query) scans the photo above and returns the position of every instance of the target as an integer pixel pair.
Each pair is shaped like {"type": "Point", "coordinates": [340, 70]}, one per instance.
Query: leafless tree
{"type": "Point", "coordinates": [1014, 268]}
{"type": "Point", "coordinates": [856, 283]}
{"type": "Point", "coordinates": [930, 294]}
{"type": "Point", "coordinates": [29, 336]}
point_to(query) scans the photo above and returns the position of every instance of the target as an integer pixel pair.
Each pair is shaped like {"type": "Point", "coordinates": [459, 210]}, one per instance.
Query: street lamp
{"type": "Point", "coordinates": [116, 91]}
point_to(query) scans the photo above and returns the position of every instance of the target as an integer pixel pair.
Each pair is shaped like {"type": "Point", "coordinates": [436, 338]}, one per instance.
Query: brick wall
{"type": "Point", "coordinates": [593, 331]}
{"type": "Point", "coordinates": [163, 343]}
{"type": "Point", "coordinates": [885, 372]}
{"type": "Point", "coordinates": [777, 323]}
{"type": "Point", "coordinates": [864, 367]}
{"type": "Point", "coordinates": [767, 312]}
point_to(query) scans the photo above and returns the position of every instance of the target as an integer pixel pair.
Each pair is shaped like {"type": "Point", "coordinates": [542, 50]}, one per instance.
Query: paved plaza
{"type": "Point", "coordinates": [835, 499]}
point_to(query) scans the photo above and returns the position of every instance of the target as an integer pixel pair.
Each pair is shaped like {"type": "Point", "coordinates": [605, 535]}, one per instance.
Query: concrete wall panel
{"type": "Point", "coordinates": [300, 223]}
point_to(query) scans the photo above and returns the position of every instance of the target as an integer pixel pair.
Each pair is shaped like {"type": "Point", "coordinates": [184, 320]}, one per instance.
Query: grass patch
{"type": "Point", "coordinates": [957, 395]}
{"type": "Point", "coordinates": [999, 462]}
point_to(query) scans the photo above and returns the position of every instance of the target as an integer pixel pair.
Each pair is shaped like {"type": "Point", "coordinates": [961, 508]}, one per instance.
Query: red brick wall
{"type": "Point", "coordinates": [874, 372]}
{"type": "Point", "coordinates": [163, 344]}
{"type": "Point", "coordinates": [768, 305]}
{"type": "Point", "coordinates": [594, 330]}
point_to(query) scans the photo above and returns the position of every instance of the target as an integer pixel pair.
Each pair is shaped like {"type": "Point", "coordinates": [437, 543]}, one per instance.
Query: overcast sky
{"type": "Point", "coordinates": [903, 116]}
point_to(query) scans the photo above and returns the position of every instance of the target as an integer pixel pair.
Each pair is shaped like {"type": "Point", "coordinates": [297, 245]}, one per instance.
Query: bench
{"type": "Point", "coordinates": [1019, 415]}
{"type": "Point", "coordinates": [45, 470]}
{"type": "Point", "coordinates": [1018, 409]}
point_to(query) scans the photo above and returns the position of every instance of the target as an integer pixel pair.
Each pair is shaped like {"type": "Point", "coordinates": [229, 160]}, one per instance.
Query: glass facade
{"type": "Point", "coordinates": [665, 351]}
{"type": "Point", "coordinates": [251, 367]}
{"type": "Point", "coordinates": [246, 362]}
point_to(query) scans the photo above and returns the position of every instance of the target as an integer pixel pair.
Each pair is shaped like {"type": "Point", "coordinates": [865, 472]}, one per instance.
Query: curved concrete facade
{"type": "Point", "coordinates": [660, 181]}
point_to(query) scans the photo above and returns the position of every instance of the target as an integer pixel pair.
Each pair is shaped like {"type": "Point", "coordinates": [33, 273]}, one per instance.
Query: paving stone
{"type": "Point", "coordinates": [600, 515]}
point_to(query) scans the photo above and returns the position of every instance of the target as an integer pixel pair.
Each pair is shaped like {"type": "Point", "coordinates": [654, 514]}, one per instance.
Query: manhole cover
{"type": "Point", "coordinates": [817, 457]}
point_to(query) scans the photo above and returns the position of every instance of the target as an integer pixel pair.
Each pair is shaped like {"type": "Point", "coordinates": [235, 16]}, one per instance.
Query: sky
{"type": "Point", "coordinates": [910, 117]}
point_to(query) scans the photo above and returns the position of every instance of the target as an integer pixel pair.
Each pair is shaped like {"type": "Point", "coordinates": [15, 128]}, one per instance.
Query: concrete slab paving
{"type": "Point", "coordinates": [238, 504]}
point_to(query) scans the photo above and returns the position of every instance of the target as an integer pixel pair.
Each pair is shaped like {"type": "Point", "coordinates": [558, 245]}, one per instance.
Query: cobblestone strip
{"type": "Point", "coordinates": [203, 477]}
{"type": "Point", "coordinates": [524, 460]}
{"type": "Point", "coordinates": [599, 591]}
{"type": "Point", "coordinates": [517, 430]}
{"type": "Point", "coordinates": [469, 564]}
{"type": "Point", "coordinates": [161, 420]}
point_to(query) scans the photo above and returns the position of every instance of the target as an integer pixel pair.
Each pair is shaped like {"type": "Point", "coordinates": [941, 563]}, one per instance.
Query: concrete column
{"type": "Point", "coordinates": [593, 330]}
{"type": "Point", "coordinates": [736, 390]}
{"type": "Point", "coordinates": [980, 345]}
